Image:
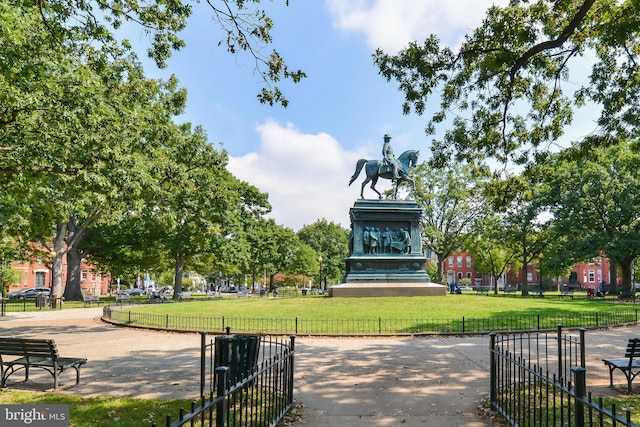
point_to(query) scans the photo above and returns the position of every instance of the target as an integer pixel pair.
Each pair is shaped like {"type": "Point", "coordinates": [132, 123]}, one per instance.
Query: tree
{"type": "Point", "coordinates": [504, 84]}
{"type": "Point", "coordinates": [596, 195]}
{"type": "Point", "coordinates": [303, 261]}
{"type": "Point", "coordinates": [241, 30]}
{"type": "Point", "coordinates": [527, 228]}
{"type": "Point", "coordinates": [270, 247]}
{"type": "Point", "coordinates": [329, 240]}
{"type": "Point", "coordinates": [195, 205]}
{"type": "Point", "coordinates": [491, 255]}
{"type": "Point", "coordinates": [452, 203]}
{"type": "Point", "coordinates": [10, 251]}
{"type": "Point", "coordinates": [76, 139]}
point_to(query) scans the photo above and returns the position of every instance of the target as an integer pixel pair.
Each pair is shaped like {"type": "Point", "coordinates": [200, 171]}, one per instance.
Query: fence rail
{"type": "Point", "coordinates": [371, 326]}
{"type": "Point", "coordinates": [539, 379]}
{"type": "Point", "coordinates": [260, 396]}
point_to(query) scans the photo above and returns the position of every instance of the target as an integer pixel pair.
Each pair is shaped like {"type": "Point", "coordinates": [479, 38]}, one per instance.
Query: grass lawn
{"type": "Point", "coordinates": [320, 315]}
{"type": "Point", "coordinates": [103, 411]}
{"type": "Point", "coordinates": [442, 307]}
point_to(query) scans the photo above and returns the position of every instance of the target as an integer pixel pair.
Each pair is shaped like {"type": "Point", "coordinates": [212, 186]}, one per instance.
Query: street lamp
{"type": "Point", "coordinates": [320, 261]}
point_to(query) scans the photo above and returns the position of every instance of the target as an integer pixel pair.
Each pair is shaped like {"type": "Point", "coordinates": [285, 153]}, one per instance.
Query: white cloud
{"type": "Point", "coordinates": [306, 176]}
{"type": "Point", "coordinates": [391, 24]}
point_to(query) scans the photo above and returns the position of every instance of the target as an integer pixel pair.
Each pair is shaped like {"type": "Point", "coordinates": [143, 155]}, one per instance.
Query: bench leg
{"type": "Point", "coordinates": [77, 374]}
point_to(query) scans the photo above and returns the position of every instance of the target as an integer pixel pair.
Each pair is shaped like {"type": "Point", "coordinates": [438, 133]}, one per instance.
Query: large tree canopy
{"type": "Point", "coordinates": [330, 242]}
{"type": "Point", "coordinates": [596, 203]}
{"type": "Point", "coordinates": [512, 86]}
{"type": "Point", "coordinates": [243, 27]}
{"type": "Point", "coordinates": [453, 204]}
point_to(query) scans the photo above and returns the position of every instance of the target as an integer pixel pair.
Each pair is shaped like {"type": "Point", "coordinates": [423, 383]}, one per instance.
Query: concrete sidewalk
{"type": "Point", "coordinates": [437, 381]}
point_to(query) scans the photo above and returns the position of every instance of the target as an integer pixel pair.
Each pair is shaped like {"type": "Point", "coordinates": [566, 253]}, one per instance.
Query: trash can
{"type": "Point", "coordinates": [304, 291]}
{"type": "Point", "coordinates": [41, 300]}
{"type": "Point", "coordinates": [239, 353]}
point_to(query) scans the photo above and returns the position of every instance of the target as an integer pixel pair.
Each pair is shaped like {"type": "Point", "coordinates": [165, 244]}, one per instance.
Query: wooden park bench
{"type": "Point", "coordinates": [25, 353]}
{"type": "Point", "coordinates": [629, 365]}
{"type": "Point", "coordinates": [183, 296]}
{"type": "Point", "coordinates": [566, 293]}
{"type": "Point", "coordinates": [89, 299]}
{"type": "Point", "coordinates": [628, 295]}
{"type": "Point", "coordinates": [482, 290]}
{"type": "Point", "coordinates": [122, 298]}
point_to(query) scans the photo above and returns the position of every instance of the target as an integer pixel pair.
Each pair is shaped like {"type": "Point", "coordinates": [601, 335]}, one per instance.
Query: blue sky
{"type": "Point", "coordinates": [304, 155]}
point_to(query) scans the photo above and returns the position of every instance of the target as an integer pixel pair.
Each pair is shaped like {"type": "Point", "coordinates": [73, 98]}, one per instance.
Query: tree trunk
{"type": "Point", "coordinates": [440, 263]}
{"type": "Point", "coordinates": [625, 268]}
{"type": "Point", "coordinates": [179, 270]}
{"type": "Point", "coordinates": [525, 270]}
{"type": "Point", "coordinates": [56, 263]}
{"type": "Point", "coordinates": [613, 276]}
{"type": "Point", "coordinates": [72, 291]}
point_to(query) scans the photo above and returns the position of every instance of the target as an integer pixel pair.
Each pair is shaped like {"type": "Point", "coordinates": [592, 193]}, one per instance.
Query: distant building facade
{"type": "Point", "coordinates": [37, 274]}
{"type": "Point", "coordinates": [586, 275]}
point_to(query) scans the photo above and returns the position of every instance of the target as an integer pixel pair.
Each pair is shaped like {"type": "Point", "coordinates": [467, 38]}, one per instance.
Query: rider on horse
{"type": "Point", "coordinates": [389, 159]}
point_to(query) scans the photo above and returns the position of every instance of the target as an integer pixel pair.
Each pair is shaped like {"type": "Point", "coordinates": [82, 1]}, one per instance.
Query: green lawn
{"type": "Point", "coordinates": [449, 314]}
{"type": "Point", "coordinates": [103, 411]}
{"type": "Point", "coordinates": [443, 307]}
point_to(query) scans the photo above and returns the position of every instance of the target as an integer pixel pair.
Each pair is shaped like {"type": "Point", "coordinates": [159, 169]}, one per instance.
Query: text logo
{"type": "Point", "coordinates": [34, 415]}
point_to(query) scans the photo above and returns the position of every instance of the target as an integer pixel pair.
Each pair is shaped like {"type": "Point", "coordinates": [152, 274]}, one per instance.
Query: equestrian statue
{"type": "Point", "coordinates": [390, 167]}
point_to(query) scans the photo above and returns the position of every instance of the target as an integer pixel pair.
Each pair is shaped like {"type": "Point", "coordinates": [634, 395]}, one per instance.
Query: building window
{"type": "Point", "coordinates": [459, 276]}
{"type": "Point", "coordinates": [592, 276]}
{"type": "Point", "coordinates": [450, 261]}
{"type": "Point", "coordinates": [459, 261]}
{"type": "Point", "coordinates": [40, 276]}
{"type": "Point", "coordinates": [83, 275]}
{"type": "Point", "coordinates": [468, 261]}
{"type": "Point", "coordinates": [468, 275]}
{"type": "Point", "coordinates": [529, 276]}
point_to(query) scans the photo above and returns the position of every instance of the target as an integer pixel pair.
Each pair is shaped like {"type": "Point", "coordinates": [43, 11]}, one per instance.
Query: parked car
{"type": "Point", "coordinates": [465, 288]}
{"type": "Point", "coordinates": [29, 293]}
{"type": "Point", "coordinates": [136, 292]}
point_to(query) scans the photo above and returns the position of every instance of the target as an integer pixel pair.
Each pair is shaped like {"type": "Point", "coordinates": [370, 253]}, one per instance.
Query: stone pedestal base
{"type": "Point", "coordinates": [364, 290]}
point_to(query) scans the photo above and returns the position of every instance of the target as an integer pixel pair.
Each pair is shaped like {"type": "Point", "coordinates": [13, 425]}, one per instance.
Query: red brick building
{"type": "Point", "coordinates": [38, 275]}
{"type": "Point", "coordinates": [583, 275]}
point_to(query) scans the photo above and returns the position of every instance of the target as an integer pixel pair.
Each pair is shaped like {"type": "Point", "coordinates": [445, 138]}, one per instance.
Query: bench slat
{"type": "Point", "coordinates": [39, 353]}
{"type": "Point", "coordinates": [629, 365]}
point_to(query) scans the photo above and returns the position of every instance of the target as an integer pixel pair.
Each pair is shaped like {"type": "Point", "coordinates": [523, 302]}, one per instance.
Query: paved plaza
{"type": "Point", "coordinates": [347, 382]}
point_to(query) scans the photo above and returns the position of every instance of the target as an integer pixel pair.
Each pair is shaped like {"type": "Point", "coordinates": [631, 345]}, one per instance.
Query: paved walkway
{"type": "Point", "coordinates": [347, 382]}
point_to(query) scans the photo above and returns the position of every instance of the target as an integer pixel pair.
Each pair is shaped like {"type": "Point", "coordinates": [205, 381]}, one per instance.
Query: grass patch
{"type": "Point", "coordinates": [102, 411]}
{"type": "Point", "coordinates": [443, 307]}
{"type": "Point", "coordinates": [449, 314]}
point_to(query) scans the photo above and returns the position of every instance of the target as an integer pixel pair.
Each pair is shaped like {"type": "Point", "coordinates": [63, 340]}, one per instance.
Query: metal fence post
{"type": "Point", "coordinates": [292, 353]}
{"type": "Point", "coordinates": [580, 390]}
{"type": "Point", "coordinates": [492, 370]}
{"type": "Point", "coordinates": [560, 374]}
{"type": "Point", "coordinates": [203, 361]}
{"type": "Point", "coordinates": [583, 351]}
{"type": "Point", "coordinates": [221, 407]}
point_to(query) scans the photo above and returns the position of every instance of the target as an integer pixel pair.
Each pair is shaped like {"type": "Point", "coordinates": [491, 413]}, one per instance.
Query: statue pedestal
{"type": "Point", "coordinates": [386, 257]}
{"type": "Point", "coordinates": [365, 290]}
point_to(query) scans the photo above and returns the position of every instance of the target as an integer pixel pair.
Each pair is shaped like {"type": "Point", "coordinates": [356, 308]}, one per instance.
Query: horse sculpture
{"type": "Point", "coordinates": [377, 169]}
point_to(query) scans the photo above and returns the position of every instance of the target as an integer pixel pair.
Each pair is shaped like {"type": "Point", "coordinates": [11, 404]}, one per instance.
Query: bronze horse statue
{"type": "Point", "coordinates": [377, 169]}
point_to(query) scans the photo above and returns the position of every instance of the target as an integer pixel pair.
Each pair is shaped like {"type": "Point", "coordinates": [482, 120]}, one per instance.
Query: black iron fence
{"type": "Point", "coordinates": [244, 381]}
{"type": "Point", "coordinates": [539, 379]}
{"type": "Point", "coordinates": [28, 304]}
{"type": "Point", "coordinates": [371, 326]}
